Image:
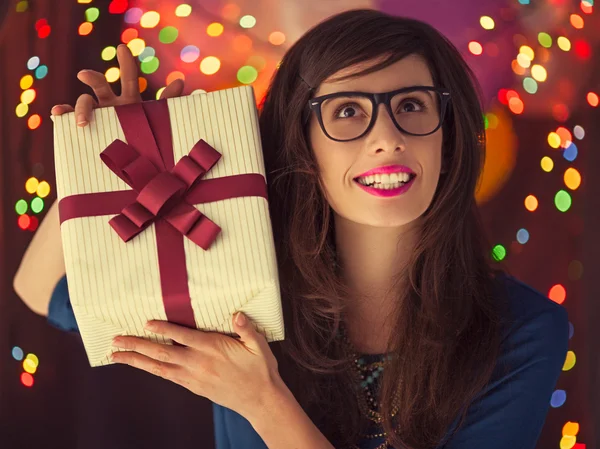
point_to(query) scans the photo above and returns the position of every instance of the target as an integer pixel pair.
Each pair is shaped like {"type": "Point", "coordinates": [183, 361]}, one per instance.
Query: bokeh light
{"type": "Point", "coordinates": [276, 38]}
{"type": "Point", "coordinates": [150, 19]}
{"type": "Point", "coordinates": [554, 140]}
{"type": "Point", "coordinates": [150, 66]}
{"type": "Point", "coordinates": [128, 34]}
{"type": "Point", "coordinates": [579, 132]}
{"type": "Point", "coordinates": [21, 110]}
{"type": "Point", "coordinates": [17, 353]}
{"type": "Point", "coordinates": [572, 178]}
{"type": "Point", "coordinates": [565, 136]}
{"type": "Point", "coordinates": [21, 207]}
{"type": "Point", "coordinates": [168, 35]}
{"type": "Point", "coordinates": [136, 46]}
{"type": "Point", "coordinates": [539, 73]}
{"type": "Point", "coordinates": [29, 366]}
{"type": "Point", "coordinates": [522, 236]}
{"type": "Point", "coordinates": [112, 74]}
{"type": "Point", "coordinates": [516, 105]}
{"type": "Point", "coordinates": [570, 428]}
{"type": "Point", "coordinates": [85, 28]}
{"type": "Point", "coordinates": [577, 21]}
{"type": "Point", "coordinates": [247, 21]}
{"type": "Point", "coordinates": [190, 53]}
{"type": "Point", "coordinates": [143, 84]}
{"type": "Point", "coordinates": [147, 54]}
{"type": "Point", "coordinates": [214, 29]}
{"type": "Point", "coordinates": [24, 221]}
{"type": "Point", "coordinates": [31, 185]}
{"type": "Point", "coordinates": [183, 10]}
{"type": "Point", "coordinates": [592, 99]}
{"type": "Point", "coordinates": [562, 201]}
{"type": "Point", "coordinates": [475, 48]}
{"type": "Point", "coordinates": [108, 53]}
{"type": "Point", "coordinates": [33, 62]}
{"type": "Point", "coordinates": [531, 203]}
{"type": "Point", "coordinates": [557, 294]}
{"type": "Point", "coordinates": [530, 85]}
{"type": "Point", "coordinates": [92, 14]}
{"type": "Point", "coordinates": [559, 397]}
{"type": "Point", "coordinates": [583, 49]}
{"type": "Point", "coordinates": [37, 205]}
{"type": "Point", "coordinates": [210, 65]}
{"type": "Point", "coordinates": [487, 23]}
{"type": "Point", "coordinates": [545, 40]}
{"type": "Point", "coordinates": [563, 43]}
{"type": "Point", "coordinates": [133, 15]}
{"type": "Point", "coordinates": [498, 253]}
{"type": "Point", "coordinates": [43, 189]}
{"type": "Point", "coordinates": [230, 11]}
{"type": "Point", "coordinates": [547, 164]}
{"type": "Point", "coordinates": [26, 82]}
{"type": "Point", "coordinates": [28, 96]}
{"type": "Point", "coordinates": [27, 379]}
{"type": "Point", "coordinates": [570, 361]}
{"type": "Point", "coordinates": [247, 74]}
{"type": "Point", "coordinates": [570, 152]}
{"type": "Point", "coordinates": [41, 72]}
{"type": "Point", "coordinates": [34, 121]}
{"type": "Point", "coordinates": [175, 75]}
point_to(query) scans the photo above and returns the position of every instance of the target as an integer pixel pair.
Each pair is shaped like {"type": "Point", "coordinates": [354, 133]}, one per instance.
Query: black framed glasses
{"type": "Point", "coordinates": [415, 110]}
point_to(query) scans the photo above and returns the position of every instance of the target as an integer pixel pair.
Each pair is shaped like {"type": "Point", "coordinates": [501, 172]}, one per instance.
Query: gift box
{"type": "Point", "coordinates": [164, 215]}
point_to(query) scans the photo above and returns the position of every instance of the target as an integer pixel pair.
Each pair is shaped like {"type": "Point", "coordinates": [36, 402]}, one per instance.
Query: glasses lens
{"type": "Point", "coordinates": [417, 112]}
{"type": "Point", "coordinates": [348, 117]}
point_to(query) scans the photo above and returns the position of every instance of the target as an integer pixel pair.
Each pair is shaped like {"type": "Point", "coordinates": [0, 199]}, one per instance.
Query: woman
{"type": "Point", "coordinates": [399, 330]}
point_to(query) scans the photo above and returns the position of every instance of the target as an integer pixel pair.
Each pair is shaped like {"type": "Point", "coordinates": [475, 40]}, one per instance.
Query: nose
{"type": "Point", "coordinates": [385, 136]}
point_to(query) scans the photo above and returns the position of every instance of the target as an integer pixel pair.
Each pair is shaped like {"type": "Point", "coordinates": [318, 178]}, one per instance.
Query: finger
{"type": "Point", "coordinates": [60, 109]}
{"type": "Point", "coordinates": [157, 351]}
{"type": "Point", "coordinates": [83, 109]}
{"type": "Point", "coordinates": [97, 81]}
{"type": "Point", "coordinates": [129, 73]}
{"type": "Point", "coordinates": [174, 373]}
{"type": "Point", "coordinates": [247, 332]}
{"type": "Point", "coordinates": [188, 337]}
{"type": "Point", "coordinates": [175, 89]}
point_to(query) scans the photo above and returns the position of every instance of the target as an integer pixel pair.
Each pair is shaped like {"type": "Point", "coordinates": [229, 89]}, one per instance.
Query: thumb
{"type": "Point", "coordinates": [175, 89]}
{"type": "Point", "coordinates": [248, 334]}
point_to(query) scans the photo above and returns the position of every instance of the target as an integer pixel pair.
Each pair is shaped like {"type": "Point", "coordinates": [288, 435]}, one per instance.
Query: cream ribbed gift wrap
{"type": "Point", "coordinates": [120, 280]}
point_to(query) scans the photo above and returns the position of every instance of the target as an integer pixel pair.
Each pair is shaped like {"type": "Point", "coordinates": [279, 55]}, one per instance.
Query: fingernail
{"type": "Point", "coordinates": [150, 326]}
{"type": "Point", "coordinates": [240, 319]}
{"type": "Point", "coordinates": [81, 120]}
{"type": "Point", "coordinates": [117, 343]}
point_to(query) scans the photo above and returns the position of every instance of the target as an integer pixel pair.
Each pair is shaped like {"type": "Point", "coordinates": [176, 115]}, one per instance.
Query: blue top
{"type": "Point", "coordinates": [508, 413]}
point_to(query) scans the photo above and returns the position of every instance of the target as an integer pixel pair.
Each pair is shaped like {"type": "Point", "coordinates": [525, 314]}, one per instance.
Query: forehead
{"type": "Point", "coordinates": [410, 71]}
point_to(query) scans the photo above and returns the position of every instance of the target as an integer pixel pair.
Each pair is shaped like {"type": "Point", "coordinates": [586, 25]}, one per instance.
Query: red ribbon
{"type": "Point", "coordinates": [164, 194]}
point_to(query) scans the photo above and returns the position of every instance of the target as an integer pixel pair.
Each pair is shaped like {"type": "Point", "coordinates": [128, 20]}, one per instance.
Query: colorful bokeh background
{"type": "Point", "coordinates": [539, 67]}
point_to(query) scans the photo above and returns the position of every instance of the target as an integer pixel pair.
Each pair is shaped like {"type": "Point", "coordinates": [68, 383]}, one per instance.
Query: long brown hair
{"type": "Point", "coordinates": [446, 335]}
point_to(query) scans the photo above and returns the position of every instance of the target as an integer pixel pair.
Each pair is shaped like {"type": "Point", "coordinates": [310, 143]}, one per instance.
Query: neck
{"type": "Point", "coordinates": [370, 260]}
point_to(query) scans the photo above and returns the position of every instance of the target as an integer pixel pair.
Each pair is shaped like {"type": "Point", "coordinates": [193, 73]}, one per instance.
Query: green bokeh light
{"type": "Point", "coordinates": [562, 201]}
{"type": "Point", "coordinates": [247, 74]}
{"type": "Point", "coordinates": [37, 205]}
{"type": "Point", "coordinates": [21, 207]}
{"type": "Point", "coordinates": [168, 35]}
{"type": "Point", "coordinates": [150, 66]}
{"type": "Point", "coordinates": [499, 253]}
{"type": "Point", "coordinates": [545, 40]}
{"type": "Point", "coordinates": [91, 14]}
{"type": "Point", "coordinates": [530, 85]}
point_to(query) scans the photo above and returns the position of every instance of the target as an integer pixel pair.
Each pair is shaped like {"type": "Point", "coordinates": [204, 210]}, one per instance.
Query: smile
{"type": "Point", "coordinates": [386, 185]}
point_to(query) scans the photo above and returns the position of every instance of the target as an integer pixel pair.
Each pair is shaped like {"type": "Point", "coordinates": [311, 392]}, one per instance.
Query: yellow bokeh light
{"type": "Point", "coordinates": [183, 10]}
{"type": "Point", "coordinates": [31, 185]}
{"type": "Point", "coordinates": [108, 53]}
{"type": "Point", "coordinates": [136, 46]}
{"type": "Point", "coordinates": [159, 92]}
{"type": "Point", "coordinates": [487, 23]}
{"type": "Point", "coordinates": [569, 361]}
{"type": "Point", "coordinates": [43, 189]}
{"type": "Point", "coordinates": [29, 366]}
{"type": "Point", "coordinates": [539, 73]}
{"type": "Point", "coordinates": [554, 140]}
{"type": "Point", "coordinates": [210, 65]}
{"type": "Point", "coordinates": [523, 60]}
{"type": "Point", "coordinates": [215, 29]}
{"type": "Point", "coordinates": [567, 442]}
{"type": "Point", "coordinates": [112, 74]}
{"type": "Point", "coordinates": [531, 203]}
{"type": "Point", "coordinates": [276, 38]}
{"type": "Point", "coordinates": [21, 110]}
{"type": "Point", "coordinates": [572, 178]}
{"type": "Point", "coordinates": [33, 358]}
{"type": "Point", "coordinates": [570, 429]}
{"type": "Point", "coordinates": [26, 82]}
{"type": "Point", "coordinates": [28, 96]}
{"type": "Point", "coordinates": [547, 164]}
{"type": "Point", "coordinates": [198, 91]}
{"type": "Point", "coordinates": [527, 51]}
{"type": "Point", "coordinates": [563, 43]}
{"type": "Point", "coordinates": [150, 19]}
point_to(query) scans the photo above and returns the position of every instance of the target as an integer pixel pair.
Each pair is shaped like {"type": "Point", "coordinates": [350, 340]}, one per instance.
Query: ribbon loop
{"type": "Point", "coordinates": [161, 193]}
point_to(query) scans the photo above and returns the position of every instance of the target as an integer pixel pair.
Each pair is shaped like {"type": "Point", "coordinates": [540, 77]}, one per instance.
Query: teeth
{"type": "Point", "coordinates": [386, 179]}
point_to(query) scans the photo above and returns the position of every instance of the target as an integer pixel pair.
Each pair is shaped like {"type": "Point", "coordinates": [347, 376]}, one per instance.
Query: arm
{"type": "Point", "coordinates": [512, 410]}
{"type": "Point", "coordinates": [42, 265]}
{"type": "Point", "coordinates": [282, 423]}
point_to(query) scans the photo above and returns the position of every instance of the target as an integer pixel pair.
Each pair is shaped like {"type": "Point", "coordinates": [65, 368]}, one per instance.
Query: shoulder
{"type": "Point", "coordinates": [530, 311]}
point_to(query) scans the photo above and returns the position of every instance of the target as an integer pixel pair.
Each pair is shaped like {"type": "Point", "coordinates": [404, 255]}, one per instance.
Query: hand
{"type": "Point", "coordinates": [130, 91]}
{"type": "Point", "coordinates": [240, 374]}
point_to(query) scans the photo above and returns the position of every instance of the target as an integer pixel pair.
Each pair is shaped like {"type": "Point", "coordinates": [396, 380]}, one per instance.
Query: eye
{"type": "Point", "coordinates": [348, 110]}
{"type": "Point", "coordinates": [412, 105]}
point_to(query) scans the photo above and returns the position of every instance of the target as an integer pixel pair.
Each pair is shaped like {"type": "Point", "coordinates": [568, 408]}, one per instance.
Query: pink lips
{"type": "Point", "coordinates": [387, 193]}
{"type": "Point", "coordinates": [387, 170]}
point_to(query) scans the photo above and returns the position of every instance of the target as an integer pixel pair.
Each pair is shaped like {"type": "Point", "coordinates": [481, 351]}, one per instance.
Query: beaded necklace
{"type": "Point", "coordinates": [368, 368]}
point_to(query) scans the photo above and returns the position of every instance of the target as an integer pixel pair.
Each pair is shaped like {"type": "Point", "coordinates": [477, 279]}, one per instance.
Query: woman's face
{"type": "Point", "coordinates": [394, 199]}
